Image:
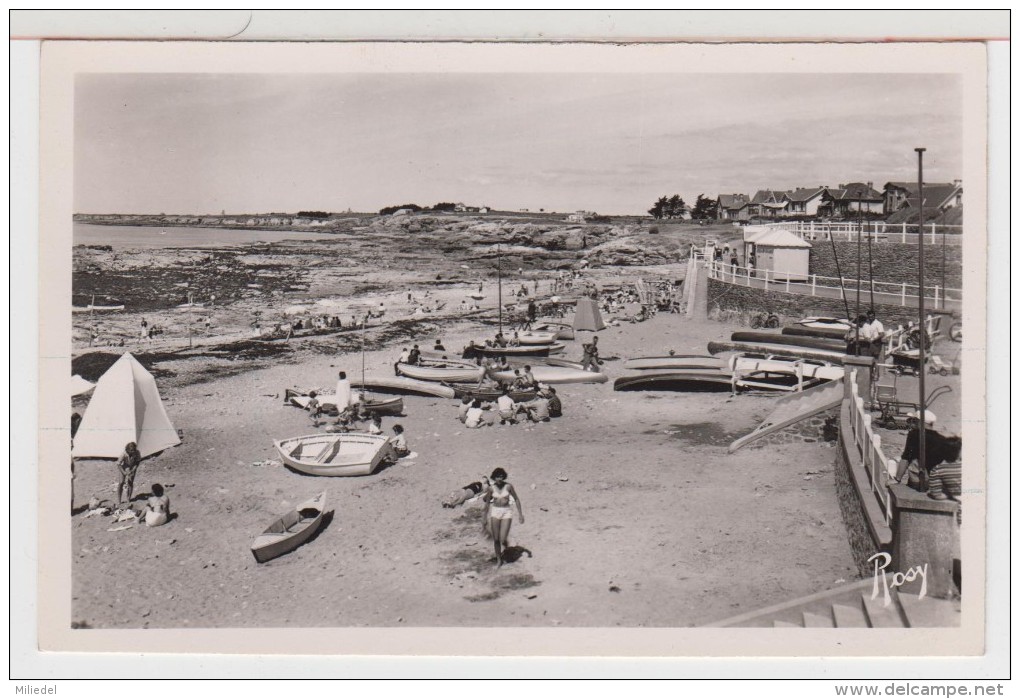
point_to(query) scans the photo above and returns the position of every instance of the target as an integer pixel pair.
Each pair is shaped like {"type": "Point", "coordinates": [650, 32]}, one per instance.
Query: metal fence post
{"type": "Point", "coordinates": [814, 278]}
{"type": "Point", "coordinates": [937, 296]}
{"type": "Point", "coordinates": [787, 283]}
{"type": "Point", "coordinates": [903, 295]}
{"type": "Point", "coordinates": [903, 234]}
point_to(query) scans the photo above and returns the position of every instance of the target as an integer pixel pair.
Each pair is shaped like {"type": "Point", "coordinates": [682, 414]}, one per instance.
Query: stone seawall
{"type": "Point", "coordinates": [725, 299]}
{"type": "Point", "coordinates": [890, 262]}
{"type": "Point", "coordinates": [855, 517]}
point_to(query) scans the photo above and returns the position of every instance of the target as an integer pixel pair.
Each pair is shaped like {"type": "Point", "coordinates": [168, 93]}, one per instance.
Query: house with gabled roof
{"type": "Point", "coordinates": [850, 199]}
{"type": "Point", "coordinates": [768, 203]}
{"type": "Point", "coordinates": [733, 207]}
{"type": "Point", "coordinates": [805, 201]}
{"type": "Point", "coordinates": [937, 196]}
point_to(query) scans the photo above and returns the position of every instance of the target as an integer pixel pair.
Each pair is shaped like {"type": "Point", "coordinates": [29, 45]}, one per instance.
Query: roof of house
{"type": "Point", "coordinates": [805, 194]}
{"type": "Point", "coordinates": [768, 196]}
{"type": "Point", "coordinates": [935, 195]}
{"type": "Point", "coordinates": [733, 201]}
{"type": "Point", "coordinates": [773, 238]}
{"type": "Point", "coordinates": [911, 187]}
{"type": "Point", "coordinates": [855, 191]}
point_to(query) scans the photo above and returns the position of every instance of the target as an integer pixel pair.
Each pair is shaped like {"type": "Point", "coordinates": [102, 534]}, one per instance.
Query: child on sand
{"type": "Point", "coordinates": [314, 408]}
{"type": "Point", "coordinates": [498, 513]}
{"type": "Point", "coordinates": [375, 427]}
{"type": "Point", "coordinates": [399, 442]}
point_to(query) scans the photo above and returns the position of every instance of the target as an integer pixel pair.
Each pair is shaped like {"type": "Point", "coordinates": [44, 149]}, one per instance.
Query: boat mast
{"type": "Point", "coordinates": [363, 321]}
{"type": "Point", "coordinates": [499, 277]}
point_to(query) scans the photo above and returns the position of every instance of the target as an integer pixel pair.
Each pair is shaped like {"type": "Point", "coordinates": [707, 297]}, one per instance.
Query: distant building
{"type": "Point", "coordinates": [733, 207]}
{"type": "Point", "coordinates": [768, 203]}
{"type": "Point", "coordinates": [805, 201]}
{"type": "Point", "coordinates": [402, 212]}
{"type": "Point", "coordinates": [940, 196]}
{"type": "Point", "coordinates": [849, 199]}
{"type": "Point", "coordinates": [580, 216]}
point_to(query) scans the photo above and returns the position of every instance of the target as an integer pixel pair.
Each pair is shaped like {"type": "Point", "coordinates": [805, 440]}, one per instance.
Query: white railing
{"type": "Point", "coordinates": [832, 287]}
{"type": "Point", "coordinates": [876, 230]}
{"type": "Point", "coordinates": [869, 450]}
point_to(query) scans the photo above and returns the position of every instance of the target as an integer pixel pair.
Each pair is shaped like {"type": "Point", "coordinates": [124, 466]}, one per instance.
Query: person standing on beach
{"type": "Point", "coordinates": [590, 358]}
{"type": "Point", "coordinates": [498, 513]}
{"type": "Point", "coordinates": [343, 392]}
{"type": "Point", "coordinates": [128, 464]}
{"type": "Point", "coordinates": [145, 330]}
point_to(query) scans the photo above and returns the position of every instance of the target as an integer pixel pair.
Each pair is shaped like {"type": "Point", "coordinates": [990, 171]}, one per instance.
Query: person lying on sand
{"type": "Point", "coordinates": [471, 490]}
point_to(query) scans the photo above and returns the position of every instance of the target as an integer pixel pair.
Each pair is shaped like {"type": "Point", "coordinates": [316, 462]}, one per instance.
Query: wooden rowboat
{"type": "Point", "coordinates": [401, 385]}
{"type": "Point", "coordinates": [835, 333]}
{"type": "Point", "coordinates": [375, 405]}
{"type": "Point", "coordinates": [291, 530]}
{"type": "Point", "coordinates": [93, 307]}
{"type": "Point", "coordinates": [769, 349]}
{"type": "Point", "coordinates": [675, 361]}
{"type": "Point", "coordinates": [564, 331]}
{"type": "Point", "coordinates": [329, 454]}
{"type": "Point", "coordinates": [536, 338]}
{"type": "Point", "coordinates": [490, 393]}
{"type": "Point", "coordinates": [523, 351]}
{"type": "Point", "coordinates": [820, 343]}
{"type": "Point", "coordinates": [687, 380]}
{"type": "Point", "coordinates": [544, 373]}
{"type": "Point", "coordinates": [438, 372]}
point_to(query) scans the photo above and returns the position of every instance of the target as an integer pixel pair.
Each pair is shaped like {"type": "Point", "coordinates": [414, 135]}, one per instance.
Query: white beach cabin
{"type": "Point", "coordinates": [781, 253]}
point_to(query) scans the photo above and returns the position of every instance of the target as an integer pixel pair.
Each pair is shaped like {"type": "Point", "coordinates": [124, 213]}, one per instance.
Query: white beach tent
{"type": "Point", "coordinates": [587, 316]}
{"type": "Point", "coordinates": [125, 407]}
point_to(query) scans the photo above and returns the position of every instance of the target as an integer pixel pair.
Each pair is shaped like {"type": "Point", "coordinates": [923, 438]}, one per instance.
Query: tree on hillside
{"type": "Point", "coordinates": [705, 208]}
{"type": "Point", "coordinates": [659, 210]}
{"type": "Point", "coordinates": [386, 211]}
{"type": "Point", "coordinates": [444, 206]}
{"type": "Point", "coordinates": [675, 207]}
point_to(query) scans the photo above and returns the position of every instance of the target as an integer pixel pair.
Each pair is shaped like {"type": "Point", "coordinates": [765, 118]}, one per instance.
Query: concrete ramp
{"type": "Point", "coordinates": [696, 289]}
{"type": "Point", "coordinates": [793, 408]}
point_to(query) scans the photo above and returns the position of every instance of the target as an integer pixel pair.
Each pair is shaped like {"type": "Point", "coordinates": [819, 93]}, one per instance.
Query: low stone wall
{"type": "Point", "coordinates": [890, 262]}
{"type": "Point", "coordinates": [860, 531]}
{"type": "Point", "coordinates": [725, 299]}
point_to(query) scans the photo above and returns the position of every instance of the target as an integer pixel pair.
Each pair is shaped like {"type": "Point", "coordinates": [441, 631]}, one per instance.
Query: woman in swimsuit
{"type": "Point", "coordinates": [498, 513]}
{"type": "Point", "coordinates": [157, 509]}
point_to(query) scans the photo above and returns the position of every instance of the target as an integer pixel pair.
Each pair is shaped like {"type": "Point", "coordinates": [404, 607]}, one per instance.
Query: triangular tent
{"type": "Point", "coordinates": [587, 316]}
{"type": "Point", "coordinates": [125, 407]}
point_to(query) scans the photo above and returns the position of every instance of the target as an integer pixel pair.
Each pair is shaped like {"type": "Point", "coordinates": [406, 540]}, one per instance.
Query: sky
{"type": "Point", "coordinates": [611, 143]}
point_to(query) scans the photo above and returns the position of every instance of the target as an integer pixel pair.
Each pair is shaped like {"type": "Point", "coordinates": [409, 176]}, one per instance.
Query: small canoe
{"type": "Point", "coordinates": [544, 373]}
{"type": "Point", "coordinates": [401, 385]}
{"type": "Point", "coordinates": [536, 338]}
{"type": "Point", "coordinates": [375, 405]}
{"type": "Point", "coordinates": [686, 380]}
{"type": "Point", "coordinates": [675, 361]}
{"type": "Point", "coordinates": [523, 351]}
{"type": "Point", "coordinates": [765, 348]}
{"type": "Point", "coordinates": [489, 393]}
{"type": "Point", "coordinates": [794, 340]}
{"type": "Point", "coordinates": [835, 333]}
{"type": "Point", "coordinates": [564, 331]}
{"type": "Point", "coordinates": [439, 372]}
{"type": "Point", "coordinates": [331, 454]}
{"type": "Point", "coordinates": [825, 323]}
{"type": "Point", "coordinates": [518, 362]}
{"type": "Point", "coordinates": [291, 530]}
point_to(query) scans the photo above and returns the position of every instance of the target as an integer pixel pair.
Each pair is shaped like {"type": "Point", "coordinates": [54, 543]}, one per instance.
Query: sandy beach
{"type": "Point", "coordinates": [635, 515]}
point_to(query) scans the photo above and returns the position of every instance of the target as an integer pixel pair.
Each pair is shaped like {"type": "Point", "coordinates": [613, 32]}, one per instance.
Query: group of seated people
{"type": "Point", "coordinates": [544, 406]}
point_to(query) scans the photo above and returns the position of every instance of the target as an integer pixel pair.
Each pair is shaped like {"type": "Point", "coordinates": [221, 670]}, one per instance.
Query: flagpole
{"type": "Point", "coordinates": [922, 408]}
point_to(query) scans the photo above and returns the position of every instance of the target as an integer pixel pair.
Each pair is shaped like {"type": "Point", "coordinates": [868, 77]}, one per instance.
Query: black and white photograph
{"type": "Point", "coordinates": [628, 350]}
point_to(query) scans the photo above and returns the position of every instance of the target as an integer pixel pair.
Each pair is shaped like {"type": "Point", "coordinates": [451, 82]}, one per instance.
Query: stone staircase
{"type": "Point", "coordinates": [851, 606]}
